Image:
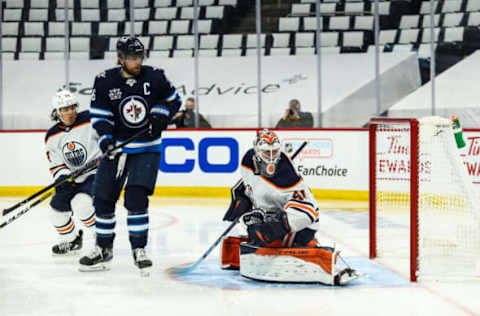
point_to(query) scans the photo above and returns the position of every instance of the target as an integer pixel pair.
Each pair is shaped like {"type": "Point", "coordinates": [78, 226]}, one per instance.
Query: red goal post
{"type": "Point", "coordinates": [423, 209]}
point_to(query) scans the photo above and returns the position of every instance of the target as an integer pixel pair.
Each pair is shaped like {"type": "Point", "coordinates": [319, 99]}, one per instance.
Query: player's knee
{"type": "Point", "coordinates": [59, 218]}
{"type": "Point", "coordinates": [136, 199]}
{"type": "Point", "coordinates": [82, 203]}
{"type": "Point", "coordinates": [104, 208]}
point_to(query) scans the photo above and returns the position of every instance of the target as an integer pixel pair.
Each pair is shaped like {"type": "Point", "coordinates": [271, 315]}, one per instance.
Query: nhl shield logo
{"type": "Point", "coordinates": [75, 153]}
{"type": "Point", "coordinates": [134, 111]}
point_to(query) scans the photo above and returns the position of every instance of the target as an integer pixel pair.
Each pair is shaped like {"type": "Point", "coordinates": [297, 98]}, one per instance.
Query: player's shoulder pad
{"type": "Point", "coordinates": [153, 72]}
{"type": "Point", "coordinates": [286, 176]}
{"type": "Point", "coordinates": [82, 117]}
{"type": "Point", "coordinates": [55, 129]}
{"type": "Point", "coordinates": [106, 74]}
{"type": "Point", "coordinates": [247, 160]}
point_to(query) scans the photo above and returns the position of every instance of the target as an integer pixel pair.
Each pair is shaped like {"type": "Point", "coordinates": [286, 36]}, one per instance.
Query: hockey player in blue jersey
{"type": "Point", "coordinates": [125, 100]}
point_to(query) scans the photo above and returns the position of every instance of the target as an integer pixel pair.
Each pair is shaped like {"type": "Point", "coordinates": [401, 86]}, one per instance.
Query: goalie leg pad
{"type": "Point", "coordinates": [230, 252]}
{"type": "Point", "coordinates": [310, 265]}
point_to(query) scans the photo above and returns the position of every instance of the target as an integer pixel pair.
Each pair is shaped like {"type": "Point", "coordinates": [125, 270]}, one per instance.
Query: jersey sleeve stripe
{"type": "Point", "coordinates": [97, 120]}
{"type": "Point", "coordinates": [159, 109]}
{"type": "Point", "coordinates": [49, 137]}
{"type": "Point", "coordinates": [172, 96]}
{"type": "Point", "coordinates": [94, 111]}
{"type": "Point", "coordinates": [304, 212]}
{"type": "Point", "coordinates": [303, 207]}
{"type": "Point", "coordinates": [303, 202]}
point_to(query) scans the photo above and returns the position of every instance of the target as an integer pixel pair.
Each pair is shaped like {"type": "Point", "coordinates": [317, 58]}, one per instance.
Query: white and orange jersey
{"type": "Point", "coordinates": [285, 191]}
{"type": "Point", "coordinates": [69, 148]}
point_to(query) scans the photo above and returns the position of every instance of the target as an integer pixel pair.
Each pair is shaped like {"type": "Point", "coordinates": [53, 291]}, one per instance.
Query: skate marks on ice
{"type": "Point", "coordinates": [209, 274]}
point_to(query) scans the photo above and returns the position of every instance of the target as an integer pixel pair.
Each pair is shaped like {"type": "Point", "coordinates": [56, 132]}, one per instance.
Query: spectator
{"type": "Point", "coordinates": [186, 118]}
{"type": "Point", "coordinates": [294, 117]}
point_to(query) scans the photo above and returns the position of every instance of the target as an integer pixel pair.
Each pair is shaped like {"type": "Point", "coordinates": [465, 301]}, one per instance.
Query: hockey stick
{"type": "Point", "coordinates": [189, 268]}
{"type": "Point", "coordinates": [93, 164]}
{"type": "Point", "coordinates": [25, 210]}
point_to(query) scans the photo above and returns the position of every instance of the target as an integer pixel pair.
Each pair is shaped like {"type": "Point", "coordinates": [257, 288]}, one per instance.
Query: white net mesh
{"type": "Point", "coordinates": [448, 205]}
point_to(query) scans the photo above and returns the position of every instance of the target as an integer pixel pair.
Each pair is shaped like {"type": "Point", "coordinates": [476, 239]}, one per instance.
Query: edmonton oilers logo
{"type": "Point", "coordinates": [133, 111]}
{"type": "Point", "coordinates": [75, 153]}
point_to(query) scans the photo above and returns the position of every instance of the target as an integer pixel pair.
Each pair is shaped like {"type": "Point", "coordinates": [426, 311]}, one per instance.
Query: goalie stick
{"type": "Point", "coordinates": [191, 267]}
{"type": "Point", "coordinates": [93, 164]}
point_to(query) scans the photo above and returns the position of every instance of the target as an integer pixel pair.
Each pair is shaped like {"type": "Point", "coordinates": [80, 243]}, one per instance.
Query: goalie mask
{"type": "Point", "coordinates": [64, 107]}
{"type": "Point", "coordinates": [267, 153]}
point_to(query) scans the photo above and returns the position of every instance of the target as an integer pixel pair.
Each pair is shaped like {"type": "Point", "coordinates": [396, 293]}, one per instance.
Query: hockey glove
{"type": "Point", "coordinates": [239, 204]}
{"type": "Point", "coordinates": [254, 217]}
{"type": "Point", "coordinates": [266, 233]}
{"type": "Point", "coordinates": [66, 188]}
{"type": "Point", "coordinates": [158, 123]}
{"type": "Point", "coordinates": [107, 145]}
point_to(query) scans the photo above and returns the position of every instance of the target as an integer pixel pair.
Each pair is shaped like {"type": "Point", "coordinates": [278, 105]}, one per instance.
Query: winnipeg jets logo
{"type": "Point", "coordinates": [131, 82]}
{"type": "Point", "coordinates": [75, 153]}
{"type": "Point", "coordinates": [115, 94]}
{"type": "Point", "coordinates": [134, 111]}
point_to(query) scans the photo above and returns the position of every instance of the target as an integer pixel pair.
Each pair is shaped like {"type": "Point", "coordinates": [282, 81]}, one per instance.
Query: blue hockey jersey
{"type": "Point", "coordinates": [120, 106]}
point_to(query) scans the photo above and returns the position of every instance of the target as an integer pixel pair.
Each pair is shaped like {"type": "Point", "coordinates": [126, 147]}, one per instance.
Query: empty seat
{"type": "Point", "coordinates": [9, 44]}
{"type": "Point", "coordinates": [228, 2]}
{"type": "Point", "coordinates": [10, 29]}
{"type": "Point", "coordinates": [39, 4]}
{"type": "Point", "coordinates": [60, 14]}
{"type": "Point", "coordinates": [81, 29]}
{"type": "Point", "coordinates": [92, 4]}
{"type": "Point", "coordinates": [187, 12]}
{"type": "Point", "coordinates": [157, 27]}
{"type": "Point", "coordinates": [79, 44]}
{"type": "Point", "coordinates": [304, 39]}
{"type": "Point", "coordinates": [162, 3]}
{"type": "Point", "coordinates": [185, 42]}
{"type": "Point", "coordinates": [14, 4]}
{"type": "Point", "coordinates": [409, 21]}
{"type": "Point", "coordinates": [165, 13]}
{"type": "Point", "coordinates": [90, 15]}
{"type": "Point", "coordinates": [12, 15]}
{"type": "Point", "coordinates": [206, 2]}
{"type": "Point", "coordinates": [33, 29]}
{"type": "Point", "coordinates": [310, 23]}
{"type": "Point", "coordinates": [452, 6]}
{"type": "Point", "coordinates": [55, 44]}
{"type": "Point", "coordinates": [204, 26]}
{"type": "Point", "coordinates": [353, 39]}
{"type": "Point", "coordinates": [179, 26]}
{"type": "Point", "coordinates": [408, 36]}
{"type": "Point", "coordinates": [300, 9]}
{"type": "Point", "coordinates": [328, 39]}
{"type": "Point", "coordinates": [425, 7]}
{"type": "Point", "coordinates": [209, 41]}
{"type": "Point", "coordinates": [252, 40]}
{"type": "Point", "coordinates": [426, 20]}
{"type": "Point", "coordinates": [474, 19]}
{"type": "Point", "coordinates": [232, 41]}
{"type": "Point", "coordinates": [31, 44]}
{"type": "Point", "coordinates": [56, 28]}
{"type": "Point", "coordinates": [364, 23]}
{"type": "Point", "coordinates": [454, 34]}
{"type": "Point", "coordinates": [116, 15]}
{"type": "Point", "coordinates": [141, 3]}
{"type": "Point", "coordinates": [162, 42]}
{"type": "Point", "coordinates": [383, 8]}
{"type": "Point", "coordinates": [108, 28]}
{"type": "Point", "coordinates": [214, 12]}
{"type": "Point", "coordinates": [452, 19]}
{"type": "Point", "coordinates": [115, 4]}
{"type": "Point", "coordinates": [328, 8]}
{"type": "Point", "coordinates": [61, 4]}
{"type": "Point", "coordinates": [38, 15]}
{"type": "Point", "coordinates": [426, 35]}
{"type": "Point", "coordinates": [288, 24]}
{"type": "Point", "coordinates": [387, 37]}
{"type": "Point", "coordinates": [354, 8]}
{"type": "Point", "coordinates": [473, 5]}
{"type": "Point", "coordinates": [339, 23]}
{"type": "Point", "coordinates": [142, 14]}
{"type": "Point", "coordinates": [281, 39]}
{"type": "Point", "coordinates": [184, 3]}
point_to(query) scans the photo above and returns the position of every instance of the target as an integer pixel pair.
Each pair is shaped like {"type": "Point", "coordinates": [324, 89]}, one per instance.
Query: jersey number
{"type": "Point", "coordinates": [299, 195]}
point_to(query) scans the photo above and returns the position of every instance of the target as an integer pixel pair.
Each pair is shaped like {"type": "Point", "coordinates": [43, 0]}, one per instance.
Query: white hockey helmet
{"type": "Point", "coordinates": [63, 98]}
{"type": "Point", "coordinates": [267, 152]}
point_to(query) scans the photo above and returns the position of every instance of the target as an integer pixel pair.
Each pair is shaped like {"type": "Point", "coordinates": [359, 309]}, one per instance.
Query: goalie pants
{"type": "Point", "coordinates": [141, 171]}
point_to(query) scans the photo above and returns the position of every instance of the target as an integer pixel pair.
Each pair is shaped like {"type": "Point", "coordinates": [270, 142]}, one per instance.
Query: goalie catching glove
{"type": "Point", "coordinates": [264, 228]}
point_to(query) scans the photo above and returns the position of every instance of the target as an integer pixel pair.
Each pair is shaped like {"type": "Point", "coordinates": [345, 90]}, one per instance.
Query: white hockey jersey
{"type": "Point", "coordinates": [284, 191]}
{"type": "Point", "coordinates": [69, 148]}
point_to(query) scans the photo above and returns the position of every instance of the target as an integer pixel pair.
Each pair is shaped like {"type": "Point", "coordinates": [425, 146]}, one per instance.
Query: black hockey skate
{"type": "Point", "coordinates": [142, 261]}
{"type": "Point", "coordinates": [97, 260]}
{"type": "Point", "coordinates": [68, 247]}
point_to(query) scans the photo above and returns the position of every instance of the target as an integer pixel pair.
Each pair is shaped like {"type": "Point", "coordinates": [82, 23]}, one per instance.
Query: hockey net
{"type": "Point", "coordinates": [424, 209]}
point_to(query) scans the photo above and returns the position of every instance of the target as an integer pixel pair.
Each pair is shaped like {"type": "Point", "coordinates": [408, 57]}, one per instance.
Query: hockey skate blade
{"type": "Point", "coordinates": [95, 268]}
